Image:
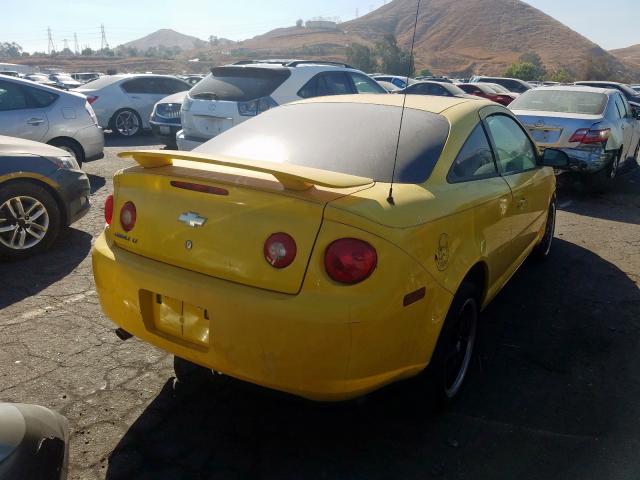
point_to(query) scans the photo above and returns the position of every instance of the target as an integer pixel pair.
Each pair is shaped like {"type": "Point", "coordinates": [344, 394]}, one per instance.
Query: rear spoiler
{"type": "Point", "coordinates": [293, 177]}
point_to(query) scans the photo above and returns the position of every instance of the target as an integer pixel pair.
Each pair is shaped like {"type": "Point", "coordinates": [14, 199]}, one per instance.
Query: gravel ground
{"type": "Point", "coordinates": [554, 392]}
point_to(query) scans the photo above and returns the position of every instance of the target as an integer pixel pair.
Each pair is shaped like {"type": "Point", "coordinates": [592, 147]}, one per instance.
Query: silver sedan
{"type": "Point", "coordinates": [123, 103]}
{"type": "Point", "coordinates": [596, 127]}
{"type": "Point", "coordinates": [49, 115]}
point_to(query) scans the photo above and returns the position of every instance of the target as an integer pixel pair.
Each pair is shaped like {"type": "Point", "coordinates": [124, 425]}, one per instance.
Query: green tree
{"type": "Point", "coordinates": [361, 57]}
{"type": "Point", "coordinates": [392, 59]}
{"type": "Point", "coordinates": [597, 68]}
{"type": "Point", "coordinates": [425, 72]}
{"type": "Point", "coordinates": [10, 50]}
{"type": "Point", "coordinates": [299, 23]}
{"type": "Point", "coordinates": [561, 76]}
{"type": "Point", "coordinates": [521, 70]}
{"type": "Point", "coordinates": [535, 60]}
{"type": "Point", "coordinates": [87, 52]}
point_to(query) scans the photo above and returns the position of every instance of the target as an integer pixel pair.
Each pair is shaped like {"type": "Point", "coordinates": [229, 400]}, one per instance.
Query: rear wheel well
{"type": "Point", "coordinates": [478, 275]}
{"type": "Point", "coordinates": [48, 188]}
{"type": "Point", "coordinates": [69, 140]}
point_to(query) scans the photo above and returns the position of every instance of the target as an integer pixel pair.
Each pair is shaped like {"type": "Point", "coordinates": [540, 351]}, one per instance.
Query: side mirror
{"type": "Point", "coordinates": [552, 157]}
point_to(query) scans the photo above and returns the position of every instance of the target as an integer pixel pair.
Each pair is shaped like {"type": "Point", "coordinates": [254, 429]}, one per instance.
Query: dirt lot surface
{"type": "Point", "coordinates": [554, 393]}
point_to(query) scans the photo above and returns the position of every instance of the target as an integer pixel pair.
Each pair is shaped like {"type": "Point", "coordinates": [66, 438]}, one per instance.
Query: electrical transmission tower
{"type": "Point", "coordinates": [75, 40]}
{"type": "Point", "coordinates": [51, 47]}
{"type": "Point", "coordinates": [103, 42]}
{"type": "Point", "coordinates": [65, 46]}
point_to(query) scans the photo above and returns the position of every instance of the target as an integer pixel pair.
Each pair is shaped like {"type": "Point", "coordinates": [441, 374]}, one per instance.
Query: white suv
{"type": "Point", "coordinates": [233, 93]}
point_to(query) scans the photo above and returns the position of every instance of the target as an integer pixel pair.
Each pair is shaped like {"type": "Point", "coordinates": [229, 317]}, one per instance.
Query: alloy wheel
{"type": "Point", "coordinates": [460, 348]}
{"type": "Point", "coordinates": [24, 222]}
{"type": "Point", "coordinates": [127, 123]}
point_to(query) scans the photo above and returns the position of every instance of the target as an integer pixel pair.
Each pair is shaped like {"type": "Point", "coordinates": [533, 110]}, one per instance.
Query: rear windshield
{"type": "Point", "coordinates": [239, 84]}
{"type": "Point", "coordinates": [353, 138]}
{"type": "Point", "coordinates": [561, 101]}
{"type": "Point", "coordinates": [101, 82]}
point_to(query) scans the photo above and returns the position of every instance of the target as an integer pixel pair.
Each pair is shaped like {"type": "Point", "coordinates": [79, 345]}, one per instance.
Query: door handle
{"type": "Point", "coordinates": [35, 121]}
{"type": "Point", "coordinates": [135, 97]}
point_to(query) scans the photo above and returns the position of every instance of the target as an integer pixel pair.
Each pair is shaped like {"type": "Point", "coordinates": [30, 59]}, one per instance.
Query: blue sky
{"type": "Point", "coordinates": [238, 20]}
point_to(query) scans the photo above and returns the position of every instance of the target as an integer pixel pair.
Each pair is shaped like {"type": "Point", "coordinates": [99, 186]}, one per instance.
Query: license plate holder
{"type": "Point", "coordinates": [179, 319]}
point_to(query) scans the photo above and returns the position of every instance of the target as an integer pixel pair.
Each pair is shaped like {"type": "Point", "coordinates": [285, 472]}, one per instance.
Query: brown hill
{"type": "Point", "coordinates": [629, 54]}
{"type": "Point", "coordinates": [469, 36]}
{"type": "Point", "coordinates": [167, 38]}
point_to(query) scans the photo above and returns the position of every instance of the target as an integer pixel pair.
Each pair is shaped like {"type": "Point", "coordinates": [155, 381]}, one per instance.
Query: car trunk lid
{"type": "Point", "coordinates": [213, 215]}
{"type": "Point", "coordinates": [553, 129]}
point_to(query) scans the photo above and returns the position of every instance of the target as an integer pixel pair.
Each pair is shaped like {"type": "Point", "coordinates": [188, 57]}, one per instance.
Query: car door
{"type": "Point", "coordinates": [517, 160]}
{"type": "Point", "coordinates": [474, 174]}
{"type": "Point", "coordinates": [628, 126]}
{"type": "Point", "coordinates": [19, 115]}
{"type": "Point", "coordinates": [326, 84]}
{"type": "Point", "coordinates": [142, 94]}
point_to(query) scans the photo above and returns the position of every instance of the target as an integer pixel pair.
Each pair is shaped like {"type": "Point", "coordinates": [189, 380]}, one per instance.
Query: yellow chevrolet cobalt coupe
{"type": "Point", "coordinates": [279, 254]}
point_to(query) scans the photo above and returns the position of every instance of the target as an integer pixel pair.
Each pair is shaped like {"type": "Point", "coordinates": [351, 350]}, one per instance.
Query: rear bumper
{"type": "Point", "coordinates": [92, 140]}
{"type": "Point", "coordinates": [74, 189]}
{"type": "Point", "coordinates": [165, 132]}
{"type": "Point", "coordinates": [187, 143]}
{"type": "Point", "coordinates": [588, 161]}
{"type": "Point", "coordinates": [313, 344]}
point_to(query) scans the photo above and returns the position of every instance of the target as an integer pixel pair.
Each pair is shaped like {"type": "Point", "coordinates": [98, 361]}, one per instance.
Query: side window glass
{"type": "Point", "coordinates": [334, 83]}
{"type": "Point", "coordinates": [364, 84]}
{"type": "Point", "coordinates": [42, 98]}
{"type": "Point", "coordinates": [132, 86]}
{"type": "Point", "coordinates": [514, 151]}
{"type": "Point", "coordinates": [12, 97]}
{"type": "Point", "coordinates": [475, 159]}
{"type": "Point", "coordinates": [619, 106]}
{"type": "Point", "coordinates": [310, 89]}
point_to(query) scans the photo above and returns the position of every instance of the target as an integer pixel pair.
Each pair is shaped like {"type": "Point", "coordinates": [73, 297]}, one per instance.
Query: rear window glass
{"type": "Point", "coordinates": [357, 139]}
{"type": "Point", "coordinates": [561, 101]}
{"type": "Point", "coordinates": [239, 84]}
{"type": "Point", "coordinates": [42, 98]}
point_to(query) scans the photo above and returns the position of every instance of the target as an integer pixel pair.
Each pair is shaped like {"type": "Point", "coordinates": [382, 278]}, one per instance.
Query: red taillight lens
{"type": "Point", "coordinates": [128, 216]}
{"type": "Point", "coordinates": [587, 136]}
{"type": "Point", "coordinates": [280, 250]}
{"type": "Point", "coordinates": [91, 99]}
{"type": "Point", "coordinates": [350, 260]}
{"type": "Point", "coordinates": [108, 210]}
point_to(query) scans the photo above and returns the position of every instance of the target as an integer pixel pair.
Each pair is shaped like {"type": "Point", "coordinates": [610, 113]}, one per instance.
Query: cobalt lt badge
{"type": "Point", "coordinates": [442, 253]}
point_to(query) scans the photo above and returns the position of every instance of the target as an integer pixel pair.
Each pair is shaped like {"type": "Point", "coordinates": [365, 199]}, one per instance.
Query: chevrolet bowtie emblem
{"type": "Point", "coordinates": [192, 219]}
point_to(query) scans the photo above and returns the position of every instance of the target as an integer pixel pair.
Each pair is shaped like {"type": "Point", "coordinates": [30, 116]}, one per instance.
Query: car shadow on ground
{"type": "Point", "coordinates": [96, 181]}
{"type": "Point", "coordinates": [620, 202]}
{"type": "Point", "coordinates": [144, 139]}
{"type": "Point", "coordinates": [68, 251]}
{"type": "Point", "coordinates": [554, 373]}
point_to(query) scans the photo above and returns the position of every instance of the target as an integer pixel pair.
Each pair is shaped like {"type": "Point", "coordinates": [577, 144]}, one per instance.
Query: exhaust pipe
{"type": "Point", "coordinates": [123, 334]}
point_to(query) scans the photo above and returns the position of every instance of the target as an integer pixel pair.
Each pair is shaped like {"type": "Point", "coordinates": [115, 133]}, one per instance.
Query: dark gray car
{"type": "Point", "coordinates": [42, 190]}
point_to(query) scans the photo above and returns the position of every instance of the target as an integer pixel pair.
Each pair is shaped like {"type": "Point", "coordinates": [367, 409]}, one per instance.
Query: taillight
{"type": "Point", "coordinates": [350, 260]}
{"type": "Point", "coordinates": [128, 216]}
{"type": "Point", "coordinates": [108, 210]}
{"type": "Point", "coordinates": [91, 99]}
{"type": "Point", "coordinates": [587, 136]}
{"type": "Point", "coordinates": [280, 250]}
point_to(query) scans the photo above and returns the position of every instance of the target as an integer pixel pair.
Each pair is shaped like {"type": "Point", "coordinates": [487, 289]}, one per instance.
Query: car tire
{"type": "Point", "coordinates": [543, 249]}
{"type": "Point", "coordinates": [126, 123]}
{"type": "Point", "coordinates": [30, 215]}
{"type": "Point", "coordinates": [455, 347]}
{"type": "Point", "coordinates": [69, 146]}
{"type": "Point", "coordinates": [603, 180]}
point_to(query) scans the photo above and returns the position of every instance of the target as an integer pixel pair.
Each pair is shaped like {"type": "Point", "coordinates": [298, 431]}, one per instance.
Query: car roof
{"type": "Point", "coordinates": [578, 88]}
{"type": "Point", "coordinates": [320, 67]}
{"type": "Point", "coordinates": [427, 103]}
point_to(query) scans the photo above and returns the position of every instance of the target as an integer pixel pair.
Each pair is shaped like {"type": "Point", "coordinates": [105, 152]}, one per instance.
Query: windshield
{"type": "Point", "coordinates": [65, 78]}
{"type": "Point", "coordinates": [561, 101]}
{"type": "Point", "coordinates": [353, 138]}
{"type": "Point", "coordinates": [239, 84]}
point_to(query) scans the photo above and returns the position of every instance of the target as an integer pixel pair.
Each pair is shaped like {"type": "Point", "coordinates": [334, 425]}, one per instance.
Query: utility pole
{"type": "Point", "coordinates": [65, 45]}
{"type": "Point", "coordinates": [51, 47]}
{"type": "Point", "coordinates": [103, 42]}
{"type": "Point", "coordinates": [75, 41]}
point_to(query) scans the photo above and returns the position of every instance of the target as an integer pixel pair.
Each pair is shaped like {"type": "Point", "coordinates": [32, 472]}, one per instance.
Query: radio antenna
{"type": "Point", "coordinates": [390, 199]}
